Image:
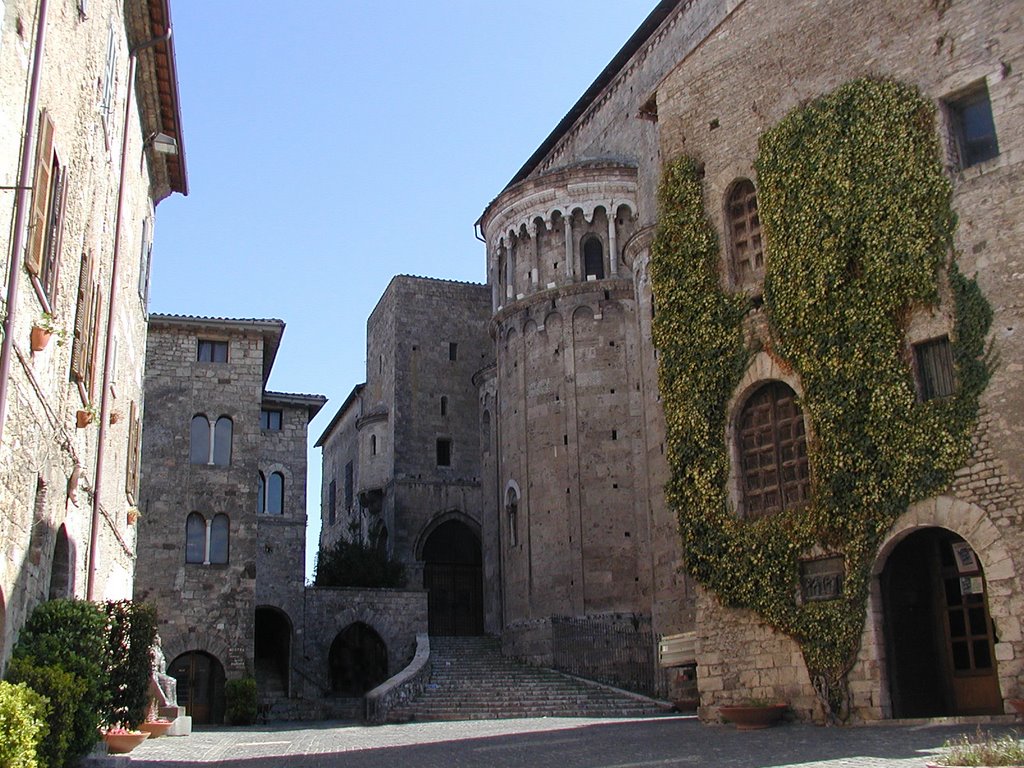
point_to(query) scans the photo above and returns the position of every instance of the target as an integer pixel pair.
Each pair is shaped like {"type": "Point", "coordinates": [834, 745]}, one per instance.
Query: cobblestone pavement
{"type": "Point", "coordinates": [559, 742]}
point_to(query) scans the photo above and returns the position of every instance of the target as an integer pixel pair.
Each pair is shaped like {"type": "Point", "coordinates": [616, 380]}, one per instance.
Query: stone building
{"type": "Point", "coordinates": [92, 142]}
{"type": "Point", "coordinates": [223, 503]}
{"type": "Point", "coordinates": [579, 447]}
{"type": "Point", "coordinates": [402, 455]}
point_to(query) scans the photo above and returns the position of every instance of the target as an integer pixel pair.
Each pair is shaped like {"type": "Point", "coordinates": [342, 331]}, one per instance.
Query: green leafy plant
{"type": "Point", "coordinates": [132, 631]}
{"type": "Point", "coordinates": [858, 223]}
{"type": "Point", "coordinates": [241, 701]}
{"type": "Point", "coordinates": [23, 726]}
{"type": "Point", "coordinates": [66, 722]}
{"type": "Point", "coordinates": [46, 322]}
{"type": "Point", "coordinates": [354, 562]}
{"type": "Point", "coordinates": [983, 749]}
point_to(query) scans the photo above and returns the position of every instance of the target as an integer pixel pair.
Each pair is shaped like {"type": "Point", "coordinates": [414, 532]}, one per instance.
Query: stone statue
{"type": "Point", "coordinates": [163, 688]}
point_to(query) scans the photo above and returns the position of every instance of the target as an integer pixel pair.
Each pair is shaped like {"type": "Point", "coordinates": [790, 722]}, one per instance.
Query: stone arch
{"type": "Point", "coordinates": [440, 519]}
{"type": "Point", "coordinates": [1001, 575]}
{"type": "Point", "coordinates": [272, 651]}
{"type": "Point", "coordinates": [357, 661]}
{"type": "Point", "coordinates": [511, 500]}
{"type": "Point", "coordinates": [452, 555]}
{"type": "Point", "coordinates": [62, 566]}
{"type": "Point", "coordinates": [200, 676]}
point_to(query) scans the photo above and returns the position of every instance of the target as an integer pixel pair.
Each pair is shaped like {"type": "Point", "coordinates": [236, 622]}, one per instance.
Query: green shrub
{"type": "Point", "coordinates": [132, 631]}
{"type": "Point", "coordinates": [22, 725]}
{"type": "Point", "coordinates": [66, 720]}
{"type": "Point", "coordinates": [984, 749]}
{"type": "Point", "coordinates": [241, 701]}
{"type": "Point", "coordinates": [71, 636]}
{"type": "Point", "coordinates": [357, 564]}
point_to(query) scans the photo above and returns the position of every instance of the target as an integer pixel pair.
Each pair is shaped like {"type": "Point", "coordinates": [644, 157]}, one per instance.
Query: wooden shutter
{"type": "Point", "coordinates": [83, 319]}
{"type": "Point", "coordinates": [55, 233]}
{"type": "Point", "coordinates": [38, 218]}
{"type": "Point", "coordinates": [93, 339]}
{"type": "Point", "coordinates": [132, 467]}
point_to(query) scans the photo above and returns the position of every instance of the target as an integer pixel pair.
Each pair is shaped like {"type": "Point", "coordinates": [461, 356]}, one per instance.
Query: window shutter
{"type": "Point", "coordinates": [55, 238]}
{"type": "Point", "coordinates": [132, 469]}
{"type": "Point", "coordinates": [40, 195]}
{"type": "Point", "coordinates": [93, 339]}
{"type": "Point", "coordinates": [83, 314]}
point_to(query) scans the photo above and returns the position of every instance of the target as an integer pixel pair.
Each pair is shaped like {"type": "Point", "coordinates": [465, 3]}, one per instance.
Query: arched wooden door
{"type": "Point", "coordinates": [938, 632]}
{"type": "Point", "coordinates": [453, 578]}
{"type": "Point", "coordinates": [200, 679]}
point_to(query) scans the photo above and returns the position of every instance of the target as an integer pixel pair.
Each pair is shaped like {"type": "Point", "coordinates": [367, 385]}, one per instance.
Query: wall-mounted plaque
{"type": "Point", "coordinates": [822, 578]}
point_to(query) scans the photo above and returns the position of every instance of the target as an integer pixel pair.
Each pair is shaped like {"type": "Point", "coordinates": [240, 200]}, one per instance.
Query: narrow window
{"type": "Point", "coordinates": [974, 130]}
{"type": "Point", "coordinates": [444, 405]}
{"type": "Point", "coordinates": [145, 262]}
{"type": "Point", "coordinates": [131, 483]}
{"type": "Point", "coordinates": [212, 351]}
{"type": "Point", "coordinates": [87, 311]}
{"type": "Point", "coordinates": [261, 494]}
{"type": "Point", "coordinates": [275, 494]}
{"type": "Point", "coordinates": [934, 369]}
{"type": "Point", "coordinates": [512, 515]}
{"type": "Point", "coordinates": [222, 442]}
{"type": "Point", "coordinates": [744, 223]}
{"type": "Point", "coordinates": [107, 104]}
{"type": "Point", "coordinates": [199, 439]}
{"type": "Point", "coordinates": [593, 258]}
{"type": "Point", "coordinates": [453, 351]}
{"type": "Point", "coordinates": [348, 486]}
{"type": "Point", "coordinates": [332, 502]}
{"type": "Point", "coordinates": [444, 452]}
{"type": "Point", "coordinates": [49, 193]}
{"type": "Point", "coordinates": [270, 420]}
{"type": "Point", "coordinates": [773, 451]}
{"type": "Point", "coordinates": [373, 445]}
{"type": "Point", "coordinates": [219, 540]}
{"type": "Point", "coordinates": [195, 538]}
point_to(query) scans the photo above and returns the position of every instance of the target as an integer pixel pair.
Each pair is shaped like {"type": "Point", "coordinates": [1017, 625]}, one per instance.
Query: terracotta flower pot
{"type": "Point", "coordinates": [83, 418]}
{"type": "Point", "coordinates": [122, 743]}
{"type": "Point", "coordinates": [156, 727]}
{"type": "Point", "coordinates": [40, 338]}
{"type": "Point", "coordinates": [751, 717]}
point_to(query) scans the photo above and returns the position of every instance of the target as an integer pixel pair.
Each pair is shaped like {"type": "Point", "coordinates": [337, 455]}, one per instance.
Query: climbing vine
{"type": "Point", "coordinates": [858, 223]}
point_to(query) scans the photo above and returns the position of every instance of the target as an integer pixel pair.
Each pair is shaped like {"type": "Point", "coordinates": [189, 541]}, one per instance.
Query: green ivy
{"type": "Point", "coordinates": [858, 222]}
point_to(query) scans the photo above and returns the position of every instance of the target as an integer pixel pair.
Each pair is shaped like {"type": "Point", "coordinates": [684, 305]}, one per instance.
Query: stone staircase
{"type": "Point", "coordinates": [471, 680]}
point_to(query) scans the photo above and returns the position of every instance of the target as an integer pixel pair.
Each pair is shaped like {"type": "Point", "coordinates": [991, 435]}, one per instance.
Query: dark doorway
{"type": "Point", "coordinates": [61, 582]}
{"type": "Point", "coordinates": [200, 686]}
{"type": "Point", "coordinates": [273, 652]}
{"type": "Point", "coordinates": [938, 632]}
{"type": "Point", "coordinates": [453, 578]}
{"type": "Point", "coordinates": [358, 661]}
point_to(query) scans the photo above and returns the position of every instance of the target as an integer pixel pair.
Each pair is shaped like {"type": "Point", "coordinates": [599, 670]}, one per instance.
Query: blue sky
{"type": "Point", "coordinates": [332, 144]}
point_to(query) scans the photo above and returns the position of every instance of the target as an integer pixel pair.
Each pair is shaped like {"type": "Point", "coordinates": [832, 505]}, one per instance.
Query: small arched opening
{"type": "Point", "coordinates": [200, 679]}
{"type": "Point", "coordinates": [453, 578]}
{"type": "Point", "coordinates": [358, 660]}
{"type": "Point", "coordinates": [593, 258]}
{"type": "Point", "coordinates": [273, 644]}
{"type": "Point", "coordinates": [61, 568]}
{"type": "Point", "coordinates": [939, 635]}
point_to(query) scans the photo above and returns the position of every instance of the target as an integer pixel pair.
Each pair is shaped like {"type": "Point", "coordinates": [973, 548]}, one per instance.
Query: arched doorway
{"type": "Point", "coordinates": [938, 632]}
{"type": "Point", "coordinates": [61, 581]}
{"type": "Point", "coordinates": [358, 660]}
{"type": "Point", "coordinates": [273, 645]}
{"type": "Point", "coordinates": [453, 578]}
{"type": "Point", "coordinates": [200, 679]}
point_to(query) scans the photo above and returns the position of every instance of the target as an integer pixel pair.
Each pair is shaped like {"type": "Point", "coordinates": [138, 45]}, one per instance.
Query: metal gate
{"type": "Point", "coordinates": [455, 601]}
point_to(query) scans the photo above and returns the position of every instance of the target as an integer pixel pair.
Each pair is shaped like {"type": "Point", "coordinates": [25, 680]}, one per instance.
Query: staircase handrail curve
{"type": "Point", "coordinates": [402, 687]}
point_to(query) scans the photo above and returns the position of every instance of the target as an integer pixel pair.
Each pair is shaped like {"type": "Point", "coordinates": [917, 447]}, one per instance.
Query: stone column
{"type": "Point", "coordinates": [568, 246]}
{"type": "Point", "coordinates": [535, 239]}
{"type": "Point", "coordinates": [613, 247]}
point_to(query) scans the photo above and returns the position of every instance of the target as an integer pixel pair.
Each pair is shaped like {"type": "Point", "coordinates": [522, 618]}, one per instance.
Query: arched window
{"type": "Point", "coordinates": [593, 258]}
{"type": "Point", "coordinates": [199, 440]}
{"type": "Point", "coordinates": [512, 513]}
{"type": "Point", "coordinates": [275, 494]}
{"type": "Point", "coordinates": [773, 451]}
{"type": "Point", "coordinates": [373, 445]}
{"type": "Point", "coordinates": [195, 538]}
{"type": "Point", "coordinates": [444, 405]}
{"type": "Point", "coordinates": [485, 431]}
{"type": "Point", "coordinates": [219, 534]}
{"type": "Point", "coordinates": [222, 442]}
{"type": "Point", "coordinates": [62, 569]}
{"type": "Point", "coordinates": [744, 233]}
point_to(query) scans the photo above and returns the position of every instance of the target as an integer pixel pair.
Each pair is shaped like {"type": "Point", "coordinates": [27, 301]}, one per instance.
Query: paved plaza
{"type": "Point", "coordinates": [557, 742]}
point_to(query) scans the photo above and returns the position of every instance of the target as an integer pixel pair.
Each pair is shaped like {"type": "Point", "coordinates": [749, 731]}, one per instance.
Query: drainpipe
{"type": "Point", "coordinates": [108, 348]}
{"type": "Point", "coordinates": [20, 210]}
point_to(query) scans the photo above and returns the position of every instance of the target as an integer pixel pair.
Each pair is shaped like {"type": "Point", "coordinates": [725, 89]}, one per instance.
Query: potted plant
{"type": "Point", "coordinates": [156, 726]}
{"type": "Point", "coordinates": [133, 515]}
{"type": "Point", "coordinates": [753, 714]}
{"type": "Point", "coordinates": [121, 740]}
{"type": "Point", "coordinates": [983, 750]}
{"type": "Point", "coordinates": [86, 415]}
{"type": "Point", "coordinates": [42, 329]}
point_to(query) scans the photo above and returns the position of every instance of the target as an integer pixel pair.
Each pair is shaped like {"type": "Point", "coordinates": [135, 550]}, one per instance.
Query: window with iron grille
{"type": "Point", "coordinates": [934, 362]}
{"type": "Point", "coordinates": [744, 232]}
{"type": "Point", "coordinates": [773, 452]}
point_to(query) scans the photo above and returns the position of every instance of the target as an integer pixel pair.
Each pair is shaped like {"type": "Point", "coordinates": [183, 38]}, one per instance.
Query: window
{"type": "Point", "coordinates": [261, 493]}
{"type": "Point", "coordinates": [444, 452]}
{"type": "Point", "coordinates": [107, 104]}
{"type": "Point", "coordinates": [212, 351]}
{"type": "Point", "coordinates": [744, 234]}
{"type": "Point", "coordinates": [593, 258]}
{"type": "Point", "coordinates": [46, 224]}
{"type": "Point", "coordinates": [134, 444]}
{"type": "Point", "coordinates": [512, 514]}
{"type": "Point", "coordinates": [444, 405]}
{"type": "Point", "coordinates": [934, 360]}
{"type": "Point", "coordinates": [208, 446]}
{"type": "Point", "coordinates": [87, 321]}
{"type": "Point", "coordinates": [348, 486]}
{"type": "Point", "coordinates": [373, 445]}
{"type": "Point", "coordinates": [275, 494]}
{"type": "Point", "coordinates": [773, 451]}
{"type": "Point", "coordinates": [145, 261]}
{"type": "Point", "coordinates": [973, 128]}
{"type": "Point", "coordinates": [453, 351]}
{"type": "Point", "coordinates": [270, 419]}
{"type": "Point", "coordinates": [207, 541]}
{"type": "Point", "coordinates": [332, 502]}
